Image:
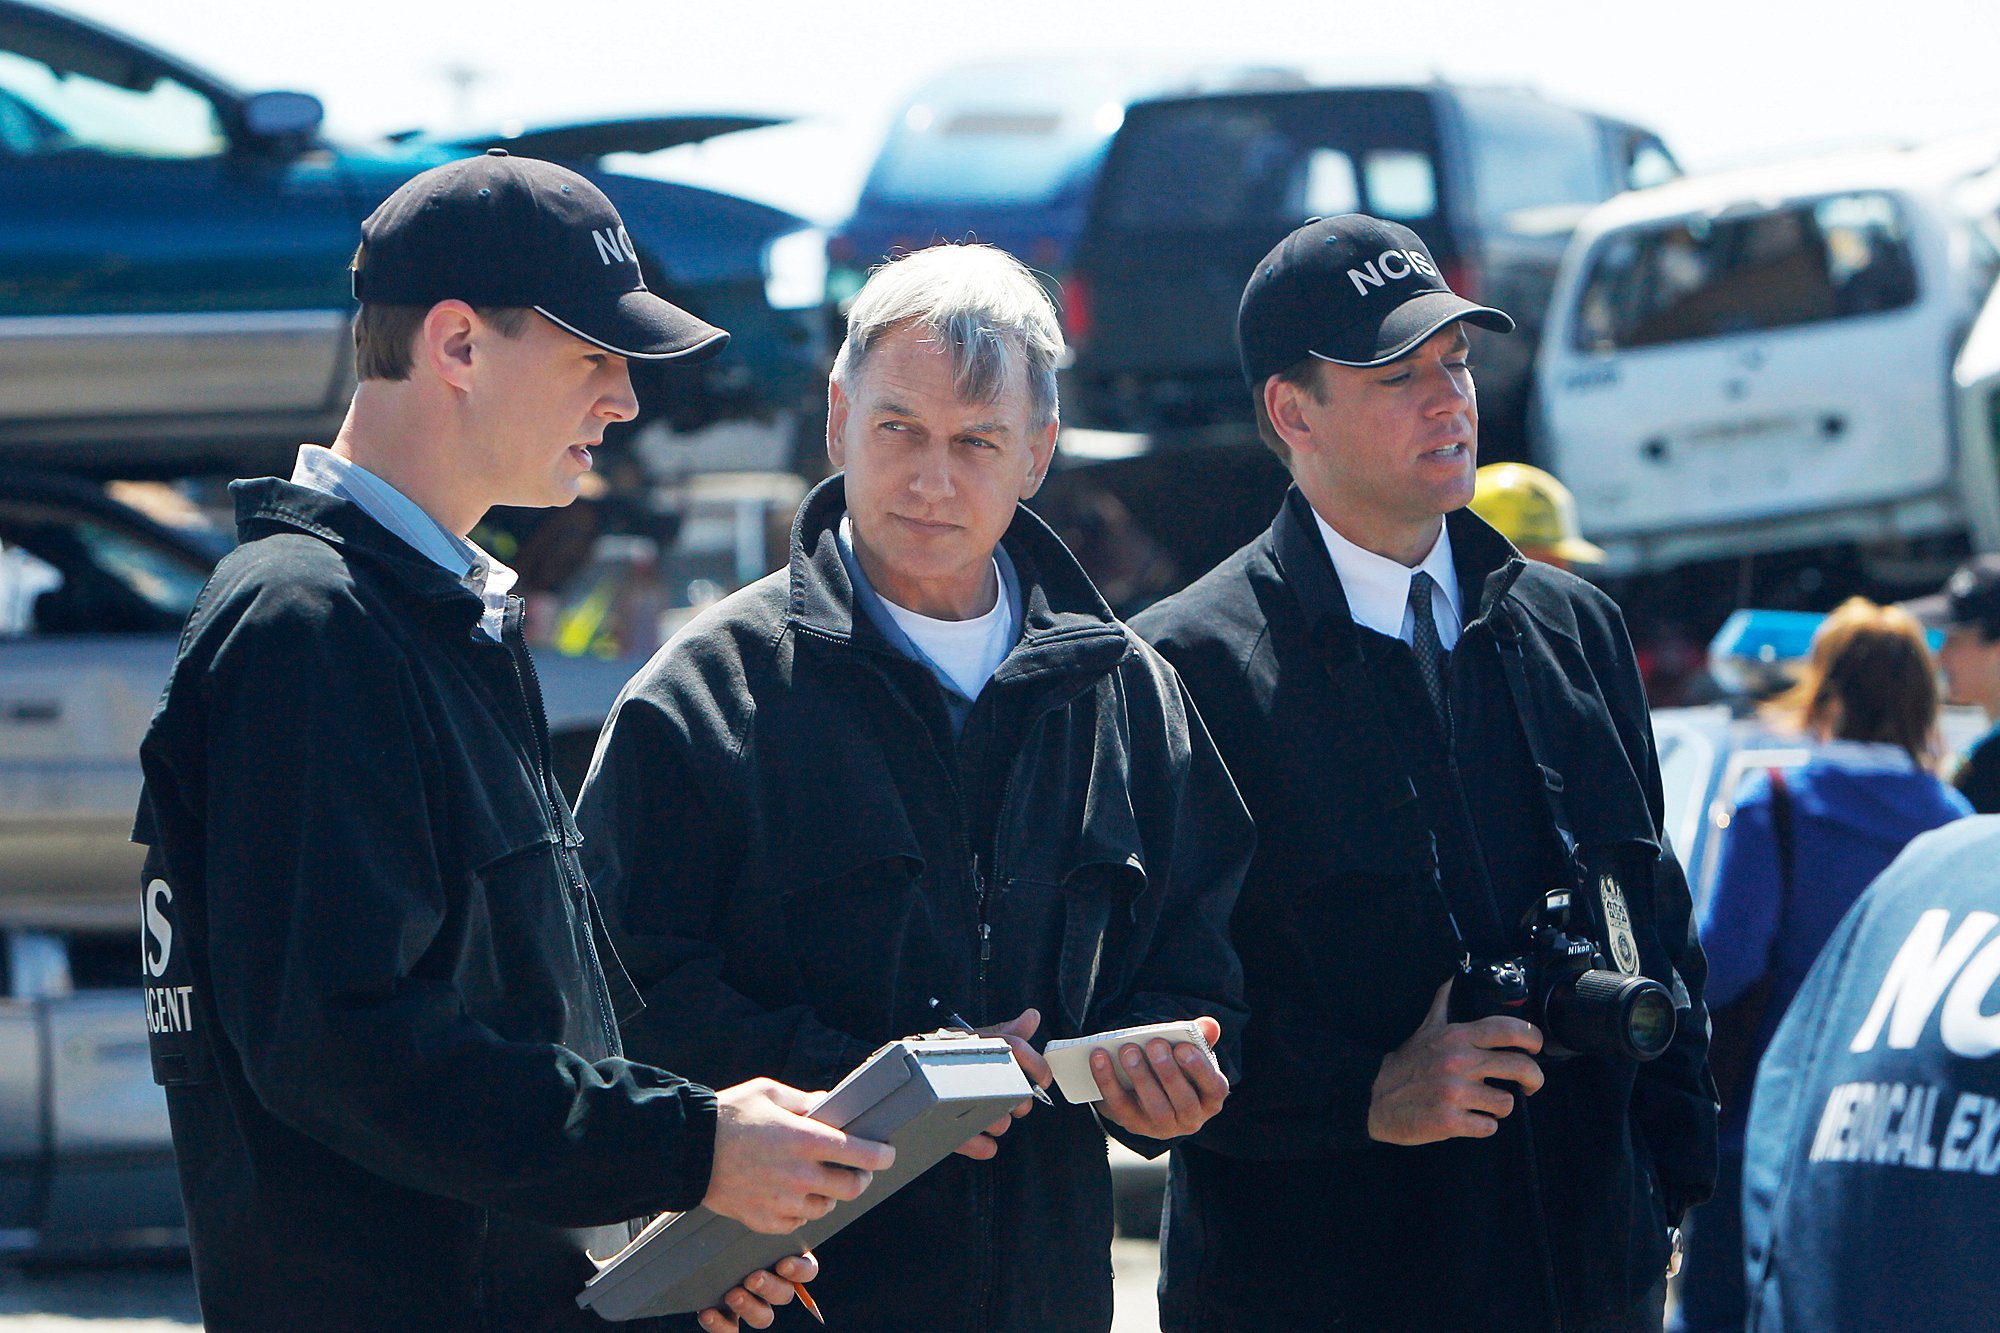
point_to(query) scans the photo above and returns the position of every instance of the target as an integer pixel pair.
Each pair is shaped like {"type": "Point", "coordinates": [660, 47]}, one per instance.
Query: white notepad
{"type": "Point", "coordinates": [1069, 1059]}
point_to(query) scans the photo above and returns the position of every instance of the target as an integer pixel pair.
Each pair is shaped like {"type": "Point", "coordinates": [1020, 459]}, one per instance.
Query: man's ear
{"type": "Point", "coordinates": [1282, 405]}
{"type": "Point", "coordinates": [1042, 448]}
{"type": "Point", "coordinates": [445, 342]}
{"type": "Point", "coordinates": [837, 405]}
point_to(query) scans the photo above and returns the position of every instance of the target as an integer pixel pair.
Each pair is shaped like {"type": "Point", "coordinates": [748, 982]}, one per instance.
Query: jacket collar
{"type": "Point", "coordinates": [1486, 562]}
{"type": "Point", "coordinates": [1065, 624]}
{"type": "Point", "coordinates": [267, 505]}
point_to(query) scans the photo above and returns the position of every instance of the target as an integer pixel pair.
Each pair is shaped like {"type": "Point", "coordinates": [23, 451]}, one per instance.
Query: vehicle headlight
{"type": "Point", "coordinates": [795, 270]}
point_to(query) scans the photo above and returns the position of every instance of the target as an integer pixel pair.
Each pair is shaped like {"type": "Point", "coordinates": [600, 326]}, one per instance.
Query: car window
{"type": "Point", "coordinates": [24, 577]}
{"type": "Point", "coordinates": [1401, 184]}
{"type": "Point", "coordinates": [1835, 258]}
{"type": "Point", "coordinates": [1651, 165]}
{"type": "Point", "coordinates": [1330, 184]}
{"type": "Point", "coordinates": [996, 155]}
{"type": "Point", "coordinates": [64, 572]}
{"type": "Point", "coordinates": [1528, 154]}
{"type": "Point", "coordinates": [1259, 164]}
{"type": "Point", "coordinates": [46, 110]}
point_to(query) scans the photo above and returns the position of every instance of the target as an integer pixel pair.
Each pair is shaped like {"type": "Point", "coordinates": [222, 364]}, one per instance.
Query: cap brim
{"type": "Point", "coordinates": [1409, 324]}
{"type": "Point", "coordinates": [640, 326]}
{"type": "Point", "coordinates": [1578, 550]}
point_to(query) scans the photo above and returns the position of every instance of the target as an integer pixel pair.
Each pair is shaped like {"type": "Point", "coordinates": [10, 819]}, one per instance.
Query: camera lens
{"type": "Point", "coordinates": [1650, 1021]}
{"type": "Point", "coordinates": [1609, 1013]}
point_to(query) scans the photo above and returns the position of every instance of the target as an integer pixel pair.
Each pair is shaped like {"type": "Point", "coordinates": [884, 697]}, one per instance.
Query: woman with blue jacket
{"type": "Point", "coordinates": [1801, 847]}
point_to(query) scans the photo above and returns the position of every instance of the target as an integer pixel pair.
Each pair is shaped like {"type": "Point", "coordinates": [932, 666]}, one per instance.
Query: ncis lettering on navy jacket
{"type": "Point", "coordinates": [797, 853]}
{"type": "Point", "coordinates": [1871, 1180]}
{"type": "Point", "coordinates": [372, 964]}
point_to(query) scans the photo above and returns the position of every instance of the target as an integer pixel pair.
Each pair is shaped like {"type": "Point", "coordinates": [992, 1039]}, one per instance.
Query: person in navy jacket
{"type": "Point", "coordinates": [1801, 847]}
{"type": "Point", "coordinates": [1871, 1177]}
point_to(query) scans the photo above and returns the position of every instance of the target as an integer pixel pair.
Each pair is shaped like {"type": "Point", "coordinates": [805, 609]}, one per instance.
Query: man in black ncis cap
{"type": "Point", "coordinates": [1432, 734]}
{"type": "Point", "coordinates": [377, 979]}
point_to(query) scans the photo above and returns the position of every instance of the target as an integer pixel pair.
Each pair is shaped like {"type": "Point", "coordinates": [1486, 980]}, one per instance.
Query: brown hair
{"type": "Point", "coordinates": [1869, 678]}
{"type": "Point", "coordinates": [385, 334]}
{"type": "Point", "coordinates": [1303, 374]}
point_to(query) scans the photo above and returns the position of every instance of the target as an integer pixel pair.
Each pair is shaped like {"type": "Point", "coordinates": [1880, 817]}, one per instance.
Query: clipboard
{"type": "Point", "coordinates": [924, 1095]}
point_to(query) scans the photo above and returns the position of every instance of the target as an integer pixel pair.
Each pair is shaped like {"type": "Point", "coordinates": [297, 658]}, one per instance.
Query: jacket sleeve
{"type": "Point", "coordinates": [1673, 1098]}
{"type": "Point", "coordinates": [1740, 919]}
{"type": "Point", "coordinates": [1191, 968]}
{"type": "Point", "coordinates": [1313, 1105]}
{"type": "Point", "coordinates": [1287, 1105]}
{"type": "Point", "coordinates": [332, 956]}
{"type": "Point", "coordinates": [664, 849]}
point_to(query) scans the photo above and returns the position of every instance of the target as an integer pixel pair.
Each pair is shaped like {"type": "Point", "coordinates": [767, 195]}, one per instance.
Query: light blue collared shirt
{"type": "Point", "coordinates": [323, 470]}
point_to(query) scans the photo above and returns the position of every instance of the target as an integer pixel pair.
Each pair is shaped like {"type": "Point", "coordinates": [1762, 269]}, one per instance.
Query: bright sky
{"type": "Point", "coordinates": [1722, 80]}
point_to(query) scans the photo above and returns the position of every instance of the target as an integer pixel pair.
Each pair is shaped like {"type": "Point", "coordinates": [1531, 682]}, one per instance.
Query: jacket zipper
{"type": "Point", "coordinates": [1536, 1208]}
{"type": "Point", "coordinates": [982, 1185]}
{"type": "Point", "coordinates": [530, 681]}
{"type": "Point", "coordinates": [983, 886]}
{"type": "Point", "coordinates": [983, 929]}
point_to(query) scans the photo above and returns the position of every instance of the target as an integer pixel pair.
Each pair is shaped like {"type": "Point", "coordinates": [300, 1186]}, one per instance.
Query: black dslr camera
{"type": "Point", "coordinates": [1560, 984]}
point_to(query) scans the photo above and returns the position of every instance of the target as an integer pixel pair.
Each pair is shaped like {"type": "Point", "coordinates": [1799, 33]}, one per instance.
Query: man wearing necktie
{"type": "Point", "coordinates": [1432, 734]}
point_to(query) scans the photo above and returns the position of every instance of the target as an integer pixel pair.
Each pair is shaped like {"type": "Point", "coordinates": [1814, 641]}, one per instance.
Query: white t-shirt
{"type": "Point", "coordinates": [968, 651]}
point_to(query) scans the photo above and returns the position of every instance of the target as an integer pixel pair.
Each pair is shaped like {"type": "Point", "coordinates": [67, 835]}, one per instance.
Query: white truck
{"type": "Point", "coordinates": [1787, 359]}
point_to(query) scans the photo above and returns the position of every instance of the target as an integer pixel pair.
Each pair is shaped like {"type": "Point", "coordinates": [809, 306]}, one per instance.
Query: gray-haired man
{"type": "Point", "coordinates": [925, 761]}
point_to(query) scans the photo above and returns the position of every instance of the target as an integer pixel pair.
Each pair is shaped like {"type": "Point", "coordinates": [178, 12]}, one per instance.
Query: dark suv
{"type": "Point", "coordinates": [1196, 189]}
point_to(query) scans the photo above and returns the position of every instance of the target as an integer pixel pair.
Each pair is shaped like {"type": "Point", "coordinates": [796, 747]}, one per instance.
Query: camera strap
{"type": "Point", "coordinates": [1608, 919]}
{"type": "Point", "coordinates": [1348, 670]}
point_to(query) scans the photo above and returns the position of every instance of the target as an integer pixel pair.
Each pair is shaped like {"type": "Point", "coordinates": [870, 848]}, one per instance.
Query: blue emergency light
{"type": "Point", "coordinates": [1759, 652]}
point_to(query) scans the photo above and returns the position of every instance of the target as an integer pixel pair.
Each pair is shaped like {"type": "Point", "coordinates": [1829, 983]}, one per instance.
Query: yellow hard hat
{"type": "Point", "coordinates": [1534, 511]}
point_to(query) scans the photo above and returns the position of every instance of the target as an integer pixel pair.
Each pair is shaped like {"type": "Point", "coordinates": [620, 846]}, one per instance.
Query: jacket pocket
{"type": "Point", "coordinates": [861, 931]}
{"type": "Point", "coordinates": [523, 953]}
{"type": "Point", "coordinates": [1098, 903]}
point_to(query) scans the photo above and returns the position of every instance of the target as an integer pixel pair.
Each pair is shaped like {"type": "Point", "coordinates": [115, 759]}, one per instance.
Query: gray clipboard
{"type": "Point", "coordinates": [925, 1095]}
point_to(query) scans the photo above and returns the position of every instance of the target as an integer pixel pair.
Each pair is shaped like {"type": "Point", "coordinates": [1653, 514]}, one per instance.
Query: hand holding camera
{"type": "Point", "coordinates": [1554, 1000]}
{"type": "Point", "coordinates": [1560, 983]}
{"type": "Point", "coordinates": [1436, 1085]}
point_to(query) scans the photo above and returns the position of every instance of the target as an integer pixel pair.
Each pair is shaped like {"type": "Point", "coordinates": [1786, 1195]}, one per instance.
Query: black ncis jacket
{"type": "Point", "coordinates": [391, 1062]}
{"type": "Point", "coordinates": [796, 855]}
{"type": "Point", "coordinates": [1560, 1220]}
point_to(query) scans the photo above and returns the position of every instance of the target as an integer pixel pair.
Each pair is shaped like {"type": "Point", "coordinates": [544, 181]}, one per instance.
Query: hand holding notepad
{"type": "Point", "coordinates": [1175, 1096]}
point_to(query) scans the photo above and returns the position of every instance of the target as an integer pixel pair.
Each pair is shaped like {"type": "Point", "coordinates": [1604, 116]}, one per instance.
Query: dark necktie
{"type": "Point", "coordinates": [1424, 641]}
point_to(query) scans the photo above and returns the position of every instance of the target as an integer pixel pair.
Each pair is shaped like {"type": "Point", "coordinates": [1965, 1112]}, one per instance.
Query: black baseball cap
{"type": "Point", "coordinates": [1353, 290]}
{"type": "Point", "coordinates": [517, 232]}
{"type": "Point", "coordinates": [1970, 599]}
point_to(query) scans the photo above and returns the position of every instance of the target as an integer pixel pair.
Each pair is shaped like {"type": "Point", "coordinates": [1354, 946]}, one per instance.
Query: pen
{"type": "Point", "coordinates": [805, 1297]}
{"type": "Point", "coordinates": [1041, 1094]}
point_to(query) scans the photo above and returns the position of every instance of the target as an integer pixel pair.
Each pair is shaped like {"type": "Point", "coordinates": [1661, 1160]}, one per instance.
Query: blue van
{"type": "Point", "coordinates": [1005, 152]}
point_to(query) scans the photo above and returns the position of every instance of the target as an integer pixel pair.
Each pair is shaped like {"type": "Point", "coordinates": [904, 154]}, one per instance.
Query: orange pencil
{"type": "Point", "coordinates": [805, 1297]}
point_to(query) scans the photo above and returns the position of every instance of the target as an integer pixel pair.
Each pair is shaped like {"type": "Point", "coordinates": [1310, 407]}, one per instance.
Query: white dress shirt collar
{"type": "Point", "coordinates": [1378, 588]}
